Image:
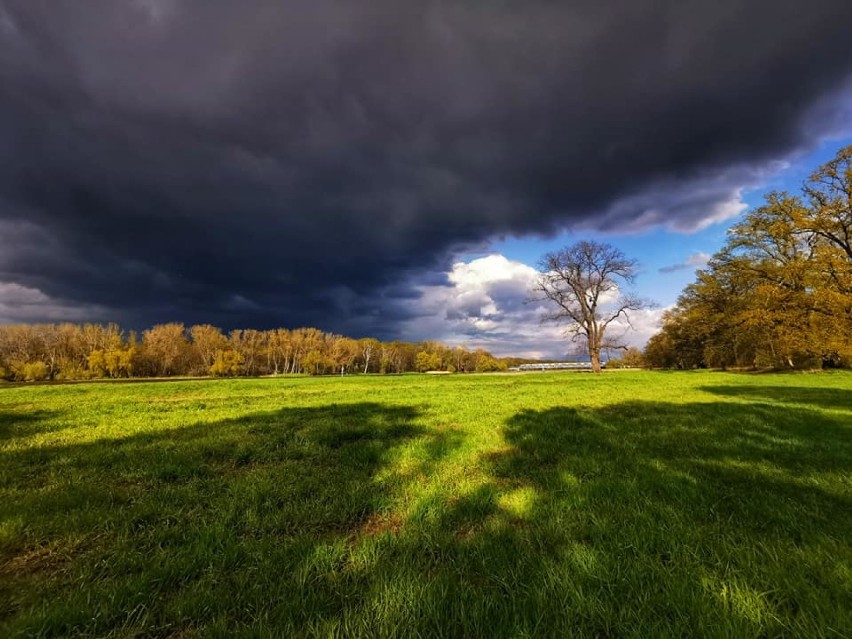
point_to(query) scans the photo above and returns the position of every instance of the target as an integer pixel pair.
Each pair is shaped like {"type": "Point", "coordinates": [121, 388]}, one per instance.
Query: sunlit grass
{"type": "Point", "coordinates": [630, 504]}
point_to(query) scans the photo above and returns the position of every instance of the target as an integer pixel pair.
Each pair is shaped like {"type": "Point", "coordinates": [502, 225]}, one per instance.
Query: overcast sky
{"type": "Point", "coordinates": [391, 168]}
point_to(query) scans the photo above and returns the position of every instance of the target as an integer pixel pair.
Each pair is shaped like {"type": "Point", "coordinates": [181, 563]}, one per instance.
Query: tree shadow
{"type": "Point", "coordinates": [637, 519]}
{"type": "Point", "coordinates": [702, 516]}
{"type": "Point", "coordinates": [14, 425]}
{"type": "Point", "coordinates": [834, 398]}
{"type": "Point", "coordinates": [176, 524]}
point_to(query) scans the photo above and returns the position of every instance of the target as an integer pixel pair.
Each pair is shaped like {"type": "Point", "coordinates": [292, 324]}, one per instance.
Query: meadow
{"type": "Point", "coordinates": [529, 505]}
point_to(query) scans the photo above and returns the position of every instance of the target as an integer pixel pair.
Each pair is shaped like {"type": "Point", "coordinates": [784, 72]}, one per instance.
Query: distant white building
{"type": "Point", "coordinates": [550, 366]}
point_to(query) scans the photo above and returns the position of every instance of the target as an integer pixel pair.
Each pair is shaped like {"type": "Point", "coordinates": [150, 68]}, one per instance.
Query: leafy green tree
{"type": "Point", "coordinates": [632, 358]}
{"type": "Point", "coordinates": [427, 362]}
{"type": "Point", "coordinates": [779, 294]}
{"type": "Point", "coordinates": [488, 364]}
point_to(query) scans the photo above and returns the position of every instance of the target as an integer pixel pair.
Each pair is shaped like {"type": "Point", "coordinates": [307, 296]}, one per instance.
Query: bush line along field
{"type": "Point", "coordinates": [563, 504]}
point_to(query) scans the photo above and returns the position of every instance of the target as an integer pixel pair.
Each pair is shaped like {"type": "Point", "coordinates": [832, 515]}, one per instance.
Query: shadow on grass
{"type": "Point", "coordinates": [15, 424]}
{"type": "Point", "coordinates": [677, 519]}
{"type": "Point", "coordinates": [637, 519]}
{"type": "Point", "coordinates": [836, 398]}
{"type": "Point", "coordinates": [168, 527]}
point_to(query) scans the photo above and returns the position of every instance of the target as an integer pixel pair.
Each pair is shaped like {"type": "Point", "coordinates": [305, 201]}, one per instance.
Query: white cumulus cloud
{"type": "Point", "coordinates": [486, 304]}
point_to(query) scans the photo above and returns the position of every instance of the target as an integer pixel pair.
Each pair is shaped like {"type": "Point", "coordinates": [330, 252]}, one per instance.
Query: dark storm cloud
{"type": "Point", "coordinates": [260, 163]}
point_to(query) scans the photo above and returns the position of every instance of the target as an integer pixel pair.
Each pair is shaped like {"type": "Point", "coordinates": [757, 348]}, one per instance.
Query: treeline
{"type": "Point", "coordinates": [779, 294]}
{"type": "Point", "coordinates": [72, 352]}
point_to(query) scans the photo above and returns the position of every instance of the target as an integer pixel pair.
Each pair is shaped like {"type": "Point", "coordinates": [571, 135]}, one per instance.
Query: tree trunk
{"type": "Point", "coordinates": [595, 355]}
{"type": "Point", "coordinates": [594, 335]}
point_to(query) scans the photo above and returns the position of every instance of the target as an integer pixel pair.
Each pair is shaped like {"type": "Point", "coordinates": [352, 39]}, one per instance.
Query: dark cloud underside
{"type": "Point", "coordinates": [268, 163]}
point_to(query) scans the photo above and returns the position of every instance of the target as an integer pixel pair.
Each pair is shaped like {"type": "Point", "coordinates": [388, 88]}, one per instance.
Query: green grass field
{"type": "Point", "coordinates": [629, 504]}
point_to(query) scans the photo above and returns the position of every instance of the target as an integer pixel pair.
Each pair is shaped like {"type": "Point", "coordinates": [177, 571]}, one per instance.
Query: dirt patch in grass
{"type": "Point", "coordinates": [51, 557]}
{"type": "Point", "coordinates": [379, 524]}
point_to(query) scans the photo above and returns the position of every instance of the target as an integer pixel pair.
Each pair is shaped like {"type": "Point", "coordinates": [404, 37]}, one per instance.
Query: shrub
{"type": "Point", "coordinates": [488, 364]}
{"type": "Point", "coordinates": [67, 369]}
{"type": "Point", "coordinates": [226, 364]}
{"type": "Point", "coordinates": [33, 372]}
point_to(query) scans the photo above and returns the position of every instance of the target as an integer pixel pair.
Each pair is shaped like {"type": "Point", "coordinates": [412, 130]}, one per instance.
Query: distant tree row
{"type": "Point", "coordinates": [779, 294]}
{"type": "Point", "coordinates": [71, 351]}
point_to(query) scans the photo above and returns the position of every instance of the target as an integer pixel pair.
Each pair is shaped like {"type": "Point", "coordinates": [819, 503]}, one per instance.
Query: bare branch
{"type": "Point", "coordinates": [578, 280]}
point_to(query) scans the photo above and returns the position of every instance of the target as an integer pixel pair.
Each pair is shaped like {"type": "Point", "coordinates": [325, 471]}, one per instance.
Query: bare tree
{"type": "Point", "coordinates": [208, 341]}
{"type": "Point", "coordinates": [167, 347]}
{"type": "Point", "coordinates": [582, 282]}
{"type": "Point", "coordinates": [368, 347]}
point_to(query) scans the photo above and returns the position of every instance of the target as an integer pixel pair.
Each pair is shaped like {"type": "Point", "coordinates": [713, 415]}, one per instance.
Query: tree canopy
{"type": "Point", "coordinates": [83, 351]}
{"type": "Point", "coordinates": [779, 293]}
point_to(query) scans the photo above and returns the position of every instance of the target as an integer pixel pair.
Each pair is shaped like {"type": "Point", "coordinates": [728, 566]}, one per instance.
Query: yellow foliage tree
{"type": "Point", "coordinates": [226, 363]}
